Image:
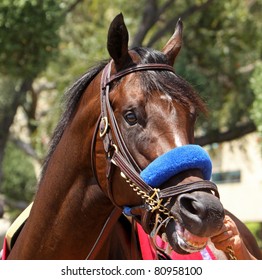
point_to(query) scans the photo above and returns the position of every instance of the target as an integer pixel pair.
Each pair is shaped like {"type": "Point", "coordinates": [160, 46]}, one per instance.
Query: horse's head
{"type": "Point", "coordinates": [147, 130]}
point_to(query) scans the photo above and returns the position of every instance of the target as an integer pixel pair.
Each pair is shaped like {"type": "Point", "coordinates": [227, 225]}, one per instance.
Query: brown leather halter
{"type": "Point", "coordinates": [119, 156]}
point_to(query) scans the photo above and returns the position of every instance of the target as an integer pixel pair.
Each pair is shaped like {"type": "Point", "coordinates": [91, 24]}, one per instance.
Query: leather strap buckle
{"type": "Point", "coordinates": [103, 126]}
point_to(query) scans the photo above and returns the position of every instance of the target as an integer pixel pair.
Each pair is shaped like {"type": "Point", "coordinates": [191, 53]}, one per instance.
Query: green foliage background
{"type": "Point", "coordinates": [21, 180]}
{"type": "Point", "coordinates": [256, 86]}
{"type": "Point", "coordinates": [28, 35]}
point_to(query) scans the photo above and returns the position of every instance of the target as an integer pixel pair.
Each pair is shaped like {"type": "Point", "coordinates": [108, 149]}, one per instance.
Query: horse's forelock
{"type": "Point", "coordinates": [166, 82]}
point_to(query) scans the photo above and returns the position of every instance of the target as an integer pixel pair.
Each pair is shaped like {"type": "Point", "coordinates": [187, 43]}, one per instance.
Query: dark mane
{"type": "Point", "coordinates": [72, 97]}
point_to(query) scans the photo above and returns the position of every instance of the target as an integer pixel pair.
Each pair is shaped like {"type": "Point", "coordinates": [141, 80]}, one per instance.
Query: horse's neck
{"type": "Point", "coordinates": [63, 229]}
{"type": "Point", "coordinates": [69, 210]}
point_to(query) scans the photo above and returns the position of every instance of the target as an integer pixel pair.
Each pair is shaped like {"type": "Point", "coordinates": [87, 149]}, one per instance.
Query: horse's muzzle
{"type": "Point", "coordinates": [199, 215]}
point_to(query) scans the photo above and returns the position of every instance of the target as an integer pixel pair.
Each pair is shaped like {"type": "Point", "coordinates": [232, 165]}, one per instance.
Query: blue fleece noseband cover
{"type": "Point", "coordinates": [175, 161]}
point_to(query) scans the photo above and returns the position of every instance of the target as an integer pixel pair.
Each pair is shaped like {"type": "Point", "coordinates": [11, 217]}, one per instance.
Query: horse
{"type": "Point", "coordinates": [122, 116]}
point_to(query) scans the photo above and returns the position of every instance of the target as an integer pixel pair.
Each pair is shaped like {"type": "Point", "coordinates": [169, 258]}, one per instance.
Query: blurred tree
{"type": "Point", "coordinates": [230, 32]}
{"type": "Point", "coordinates": [28, 36]}
{"type": "Point", "coordinates": [21, 185]}
{"type": "Point", "coordinates": [28, 40]}
{"type": "Point", "coordinates": [256, 86]}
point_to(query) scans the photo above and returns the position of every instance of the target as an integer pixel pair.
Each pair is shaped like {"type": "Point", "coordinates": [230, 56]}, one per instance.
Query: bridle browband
{"type": "Point", "coordinates": [119, 156]}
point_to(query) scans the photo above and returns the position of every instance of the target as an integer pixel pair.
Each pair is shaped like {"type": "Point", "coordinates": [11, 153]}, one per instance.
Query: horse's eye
{"type": "Point", "coordinates": [131, 118]}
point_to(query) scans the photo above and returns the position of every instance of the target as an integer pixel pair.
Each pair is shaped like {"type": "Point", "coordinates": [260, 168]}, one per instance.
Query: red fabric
{"type": "Point", "coordinates": [5, 251]}
{"type": "Point", "coordinates": [148, 253]}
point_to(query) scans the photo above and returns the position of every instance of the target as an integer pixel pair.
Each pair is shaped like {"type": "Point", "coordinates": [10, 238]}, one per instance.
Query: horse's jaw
{"type": "Point", "coordinates": [181, 240]}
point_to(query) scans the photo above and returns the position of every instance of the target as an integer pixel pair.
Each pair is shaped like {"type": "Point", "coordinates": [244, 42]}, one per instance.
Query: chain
{"type": "Point", "coordinates": [156, 205]}
{"type": "Point", "coordinates": [153, 201]}
{"type": "Point", "coordinates": [231, 253]}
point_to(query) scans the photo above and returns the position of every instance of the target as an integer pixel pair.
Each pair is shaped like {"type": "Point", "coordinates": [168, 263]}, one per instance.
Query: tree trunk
{"type": "Point", "coordinates": [8, 113]}
{"type": "Point", "coordinates": [229, 135]}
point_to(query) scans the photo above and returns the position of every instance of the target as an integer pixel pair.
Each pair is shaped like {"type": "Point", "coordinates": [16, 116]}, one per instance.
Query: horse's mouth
{"type": "Point", "coordinates": [182, 241]}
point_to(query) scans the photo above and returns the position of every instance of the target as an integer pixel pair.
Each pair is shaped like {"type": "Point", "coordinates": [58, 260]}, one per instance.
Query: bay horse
{"type": "Point", "coordinates": [122, 116]}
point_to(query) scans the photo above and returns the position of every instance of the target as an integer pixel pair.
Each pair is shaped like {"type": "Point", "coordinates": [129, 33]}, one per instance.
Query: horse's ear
{"type": "Point", "coordinates": [173, 46]}
{"type": "Point", "coordinates": [117, 42]}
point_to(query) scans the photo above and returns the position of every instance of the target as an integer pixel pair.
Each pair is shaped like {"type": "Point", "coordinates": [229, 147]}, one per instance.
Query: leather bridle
{"type": "Point", "coordinates": [118, 155]}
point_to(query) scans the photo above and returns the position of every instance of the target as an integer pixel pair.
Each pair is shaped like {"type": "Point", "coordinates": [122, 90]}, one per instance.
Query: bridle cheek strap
{"type": "Point", "coordinates": [115, 148]}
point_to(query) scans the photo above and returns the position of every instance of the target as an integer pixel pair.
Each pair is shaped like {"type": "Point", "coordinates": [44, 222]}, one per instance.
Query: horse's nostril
{"type": "Point", "coordinates": [191, 205]}
{"type": "Point", "coordinates": [186, 202]}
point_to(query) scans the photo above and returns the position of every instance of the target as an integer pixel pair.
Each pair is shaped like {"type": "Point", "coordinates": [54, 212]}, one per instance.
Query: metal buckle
{"type": "Point", "coordinates": [103, 126]}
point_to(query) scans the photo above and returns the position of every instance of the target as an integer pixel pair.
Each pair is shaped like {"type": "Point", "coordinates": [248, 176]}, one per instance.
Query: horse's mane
{"type": "Point", "coordinates": [162, 81]}
{"type": "Point", "coordinates": [71, 99]}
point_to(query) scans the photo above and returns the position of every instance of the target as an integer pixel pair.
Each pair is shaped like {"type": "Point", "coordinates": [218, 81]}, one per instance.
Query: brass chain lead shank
{"type": "Point", "coordinates": [231, 253]}
{"type": "Point", "coordinates": [155, 204]}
